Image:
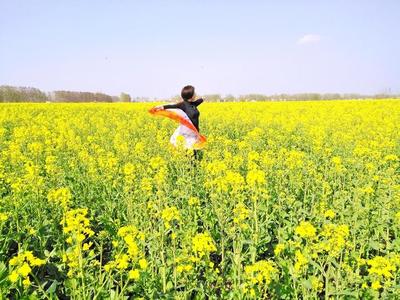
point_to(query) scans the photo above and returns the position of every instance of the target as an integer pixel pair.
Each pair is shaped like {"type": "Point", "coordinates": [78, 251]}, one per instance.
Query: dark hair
{"type": "Point", "coordinates": [187, 92]}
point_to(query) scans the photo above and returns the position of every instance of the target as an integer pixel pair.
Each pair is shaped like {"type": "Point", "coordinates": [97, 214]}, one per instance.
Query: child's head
{"type": "Point", "coordinates": [187, 92]}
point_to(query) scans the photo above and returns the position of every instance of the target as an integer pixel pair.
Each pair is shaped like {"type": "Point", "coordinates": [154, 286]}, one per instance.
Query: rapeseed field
{"type": "Point", "coordinates": [290, 200]}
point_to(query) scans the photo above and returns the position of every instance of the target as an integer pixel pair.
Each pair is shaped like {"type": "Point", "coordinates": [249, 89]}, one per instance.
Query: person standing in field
{"type": "Point", "coordinates": [189, 107]}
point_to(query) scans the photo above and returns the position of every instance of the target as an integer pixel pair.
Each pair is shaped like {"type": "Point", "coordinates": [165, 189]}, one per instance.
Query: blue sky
{"type": "Point", "coordinates": [153, 48]}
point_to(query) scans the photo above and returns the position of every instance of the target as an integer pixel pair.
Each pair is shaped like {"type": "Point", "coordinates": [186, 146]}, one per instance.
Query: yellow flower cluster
{"type": "Point", "coordinates": [157, 162]}
{"type": "Point", "coordinates": [330, 214]}
{"type": "Point", "coordinates": [306, 230]}
{"type": "Point", "coordinates": [170, 214]}
{"type": "Point", "coordinates": [294, 158]}
{"type": "Point", "coordinates": [279, 248]}
{"type": "Point", "coordinates": [76, 227]}
{"type": "Point", "coordinates": [333, 239]}
{"type": "Point", "coordinates": [203, 244]}
{"type": "Point", "coordinates": [184, 262]}
{"type": "Point", "coordinates": [241, 213]}
{"type": "Point", "coordinates": [376, 285]}
{"type": "Point", "coordinates": [234, 180]}
{"type": "Point", "coordinates": [382, 266]}
{"type": "Point", "coordinates": [316, 284]}
{"type": "Point", "coordinates": [194, 201]}
{"type": "Point", "coordinates": [338, 164]}
{"type": "Point", "coordinates": [129, 171]}
{"type": "Point", "coordinates": [3, 217]}
{"type": "Point", "coordinates": [61, 196]}
{"type": "Point", "coordinates": [301, 261]}
{"type": "Point", "coordinates": [129, 234]}
{"type": "Point", "coordinates": [22, 265]}
{"type": "Point", "coordinates": [391, 157]}
{"type": "Point", "coordinates": [129, 253]}
{"type": "Point", "coordinates": [184, 268]}
{"type": "Point", "coordinates": [146, 185]}
{"type": "Point", "coordinates": [258, 276]}
{"type": "Point", "coordinates": [261, 272]}
{"type": "Point", "coordinates": [223, 180]}
{"type": "Point", "coordinates": [382, 269]}
{"type": "Point", "coordinates": [216, 167]}
{"type": "Point", "coordinates": [255, 177]}
{"type": "Point", "coordinates": [72, 258]}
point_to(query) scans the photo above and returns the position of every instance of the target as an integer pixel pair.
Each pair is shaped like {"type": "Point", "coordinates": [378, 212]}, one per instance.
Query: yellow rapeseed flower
{"type": "Point", "coordinates": [301, 261]}
{"type": "Point", "coordinates": [330, 214]}
{"type": "Point", "coordinates": [376, 285]}
{"type": "Point", "coordinates": [143, 263]}
{"type": "Point", "coordinates": [193, 201]}
{"type": "Point", "coordinates": [13, 277]}
{"type": "Point", "coordinates": [262, 272]}
{"type": "Point", "coordinates": [134, 274]}
{"type": "Point", "coordinates": [26, 282]}
{"type": "Point", "coordinates": [169, 214]}
{"type": "Point", "coordinates": [61, 196]}
{"type": "Point", "coordinates": [3, 217]}
{"type": "Point", "coordinates": [24, 270]}
{"type": "Point", "coordinates": [381, 266]}
{"type": "Point", "coordinates": [305, 230]}
{"type": "Point", "coordinates": [202, 244]}
{"type": "Point", "coordinates": [279, 248]}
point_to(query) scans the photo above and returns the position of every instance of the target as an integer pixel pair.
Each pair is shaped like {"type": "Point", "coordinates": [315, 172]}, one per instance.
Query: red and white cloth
{"type": "Point", "coordinates": [192, 138]}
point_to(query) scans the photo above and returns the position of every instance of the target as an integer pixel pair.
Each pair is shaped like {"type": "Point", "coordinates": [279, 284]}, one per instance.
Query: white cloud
{"type": "Point", "coordinates": [309, 39]}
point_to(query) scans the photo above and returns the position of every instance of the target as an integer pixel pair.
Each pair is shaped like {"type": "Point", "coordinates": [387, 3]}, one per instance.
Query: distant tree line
{"type": "Point", "coordinates": [294, 97]}
{"type": "Point", "coordinates": [67, 96]}
{"type": "Point", "coordinates": [30, 94]}
{"type": "Point", "coordinates": [21, 94]}
{"type": "Point", "coordinates": [289, 97]}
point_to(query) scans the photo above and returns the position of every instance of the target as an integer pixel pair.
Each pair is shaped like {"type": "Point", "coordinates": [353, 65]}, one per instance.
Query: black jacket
{"type": "Point", "coordinates": [190, 108]}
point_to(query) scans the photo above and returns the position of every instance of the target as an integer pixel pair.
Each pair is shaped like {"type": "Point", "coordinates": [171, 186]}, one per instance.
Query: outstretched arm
{"type": "Point", "coordinates": [177, 105]}
{"type": "Point", "coordinates": [166, 106]}
{"type": "Point", "coordinates": [198, 101]}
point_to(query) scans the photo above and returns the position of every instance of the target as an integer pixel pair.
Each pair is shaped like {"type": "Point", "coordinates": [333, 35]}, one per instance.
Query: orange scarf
{"type": "Point", "coordinates": [176, 117]}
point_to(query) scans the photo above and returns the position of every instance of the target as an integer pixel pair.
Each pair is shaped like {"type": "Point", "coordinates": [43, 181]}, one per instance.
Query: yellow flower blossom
{"type": "Point", "coordinates": [184, 268]}
{"type": "Point", "coordinates": [305, 230]}
{"type": "Point", "coordinates": [169, 214]}
{"type": "Point", "coordinates": [22, 265]}
{"type": "Point", "coordinates": [134, 274]}
{"type": "Point", "coordinates": [143, 263]}
{"type": "Point", "coordinates": [26, 282]}
{"type": "Point", "coordinates": [61, 196]}
{"type": "Point", "coordinates": [381, 266]}
{"type": "Point", "coordinates": [301, 261]}
{"type": "Point", "coordinates": [193, 201]}
{"type": "Point", "coordinates": [330, 214]}
{"type": "Point", "coordinates": [24, 270]}
{"type": "Point", "coordinates": [241, 213]}
{"type": "Point", "coordinates": [316, 284]}
{"type": "Point", "coordinates": [127, 230]}
{"type": "Point", "coordinates": [122, 261]}
{"type": "Point", "coordinates": [3, 217]}
{"type": "Point", "coordinates": [333, 239]}
{"type": "Point", "coordinates": [262, 272]}
{"type": "Point", "coordinates": [279, 248]}
{"type": "Point", "coordinates": [376, 285]}
{"type": "Point", "coordinates": [202, 244]}
{"type": "Point", "coordinates": [255, 177]}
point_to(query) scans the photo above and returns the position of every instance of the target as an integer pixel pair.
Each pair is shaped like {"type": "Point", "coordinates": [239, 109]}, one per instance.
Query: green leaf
{"type": "Point", "coordinates": [374, 245]}
{"type": "Point", "coordinates": [52, 288]}
{"type": "Point", "coordinates": [307, 284]}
